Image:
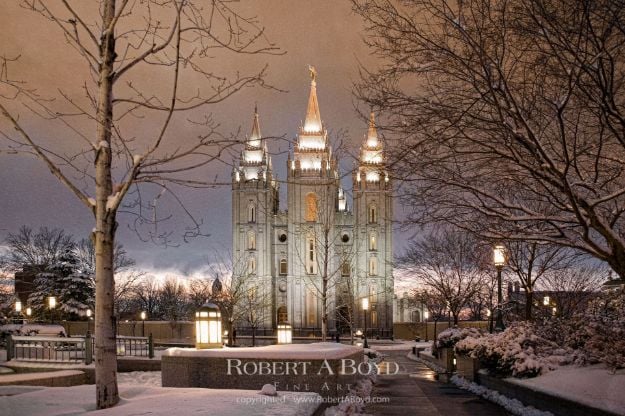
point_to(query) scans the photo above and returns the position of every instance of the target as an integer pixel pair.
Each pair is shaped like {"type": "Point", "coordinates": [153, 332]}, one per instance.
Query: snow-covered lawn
{"type": "Point", "coordinates": [3, 355]}
{"type": "Point", "coordinates": [141, 394]}
{"type": "Point", "coordinates": [593, 386]}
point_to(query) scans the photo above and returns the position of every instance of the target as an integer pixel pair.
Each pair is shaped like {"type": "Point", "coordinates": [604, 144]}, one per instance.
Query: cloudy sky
{"type": "Point", "coordinates": [323, 33]}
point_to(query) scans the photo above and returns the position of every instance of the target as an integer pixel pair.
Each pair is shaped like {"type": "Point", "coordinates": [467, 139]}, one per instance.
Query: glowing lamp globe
{"type": "Point", "coordinates": [208, 327]}
{"type": "Point", "coordinates": [499, 256]}
{"type": "Point", "coordinates": [285, 333]}
{"type": "Point", "coordinates": [18, 306]}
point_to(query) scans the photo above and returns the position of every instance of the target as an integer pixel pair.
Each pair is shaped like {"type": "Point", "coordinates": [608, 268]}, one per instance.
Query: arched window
{"type": "Point", "coordinates": [251, 240]}
{"type": "Point", "coordinates": [311, 207]}
{"type": "Point", "coordinates": [251, 265]}
{"type": "Point", "coordinates": [345, 268]}
{"type": "Point", "coordinates": [311, 256]}
{"type": "Point", "coordinates": [282, 315]}
{"type": "Point", "coordinates": [311, 308]}
{"type": "Point", "coordinates": [251, 212]}
{"type": "Point", "coordinates": [373, 214]}
{"type": "Point", "coordinates": [283, 267]}
{"type": "Point", "coordinates": [373, 266]}
{"type": "Point", "coordinates": [373, 241]}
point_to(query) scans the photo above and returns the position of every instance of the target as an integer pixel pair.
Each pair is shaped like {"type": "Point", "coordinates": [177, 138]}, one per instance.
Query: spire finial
{"type": "Point", "coordinates": [372, 133]}
{"type": "Point", "coordinates": [313, 73]}
{"type": "Point", "coordinates": [255, 136]}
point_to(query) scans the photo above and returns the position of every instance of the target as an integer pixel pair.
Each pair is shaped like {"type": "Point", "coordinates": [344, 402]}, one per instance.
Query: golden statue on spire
{"type": "Point", "coordinates": [313, 73]}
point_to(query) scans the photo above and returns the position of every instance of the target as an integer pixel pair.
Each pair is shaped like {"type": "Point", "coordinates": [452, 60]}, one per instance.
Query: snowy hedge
{"type": "Point", "coordinates": [451, 336]}
{"type": "Point", "coordinates": [528, 349]}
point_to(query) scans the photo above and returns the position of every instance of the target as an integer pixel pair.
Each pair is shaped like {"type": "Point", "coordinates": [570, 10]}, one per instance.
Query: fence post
{"type": "Point", "coordinates": [150, 346]}
{"type": "Point", "coordinates": [88, 350]}
{"type": "Point", "coordinates": [9, 347]}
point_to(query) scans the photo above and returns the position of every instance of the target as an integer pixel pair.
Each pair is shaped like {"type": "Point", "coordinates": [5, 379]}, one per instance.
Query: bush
{"type": "Point", "coordinates": [451, 336]}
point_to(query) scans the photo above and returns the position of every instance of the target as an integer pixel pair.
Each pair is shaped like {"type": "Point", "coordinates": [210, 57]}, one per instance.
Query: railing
{"type": "Point", "coordinates": [72, 350]}
{"type": "Point", "coordinates": [135, 346]}
{"type": "Point", "coordinates": [311, 332]}
{"type": "Point", "coordinates": [51, 349]}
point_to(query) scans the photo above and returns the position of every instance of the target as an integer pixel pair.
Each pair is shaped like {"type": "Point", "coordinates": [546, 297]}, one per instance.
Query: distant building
{"type": "Point", "coordinates": [613, 285]}
{"type": "Point", "coordinates": [406, 310]}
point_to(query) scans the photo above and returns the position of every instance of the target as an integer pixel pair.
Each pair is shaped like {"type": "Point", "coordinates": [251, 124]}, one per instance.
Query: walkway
{"type": "Point", "coordinates": [414, 391]}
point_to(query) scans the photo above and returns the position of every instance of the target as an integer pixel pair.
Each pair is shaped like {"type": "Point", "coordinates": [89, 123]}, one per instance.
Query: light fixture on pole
{"type": "Point", "coordinates": [499, 259]}
{"type": "Point", "coordinates": [426, 316]}
{"type": "Point", "coordinates": [365, 309]}
{"type": "Point", "coordinates": [285, 333]}
{"type": "Point", "coordinates": [208, 327]}
{"type": "Point", "coordinates": [88, 319]}
{"type": "Point", "coordinates": [18, 306]}
{"type": "Point", "coordinates": [51, 306]}
{"type": "Point", "coordinates": [143, 316]}
{"type": "Point", "coordinates": [29, 311]}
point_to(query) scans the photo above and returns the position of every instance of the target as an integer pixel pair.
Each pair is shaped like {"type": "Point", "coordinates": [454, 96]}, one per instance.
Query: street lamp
{"type": "Point", "coordinates": [51, 306]}
{"type": "Point", "coordinates": [285, 333]}
{"type": "Point", "coordinates": [365, 309]}
{"type": "Point", "coordinates": [18, 306]}
{"type": "Point", "coordinates": [29, 311]}
{"type": "Point", "coordinates": [426, 315]}
{"type": "Point", "coordinates": [143, 316]}
{"type": "Point", "coordinates": [88, 319]}
{"type": "Point", "coordinates": [208, 326]}
{"type": "Point", "coordinates": [499, 258]}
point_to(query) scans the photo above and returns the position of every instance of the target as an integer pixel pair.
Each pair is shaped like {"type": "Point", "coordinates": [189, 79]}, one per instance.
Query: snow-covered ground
{"type": "Point", "coordinates": [319, 350]}
{"type": "Point", "coordinates": [141, 394]}
{"type": "Point", "coordinates": [594, 386]}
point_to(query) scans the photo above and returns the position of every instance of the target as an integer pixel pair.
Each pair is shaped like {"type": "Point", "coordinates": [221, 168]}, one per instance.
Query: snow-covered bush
{"type": "Point", "coordinates": [451, 336]}
{"type": "Point", "coordinates": [518, 351]}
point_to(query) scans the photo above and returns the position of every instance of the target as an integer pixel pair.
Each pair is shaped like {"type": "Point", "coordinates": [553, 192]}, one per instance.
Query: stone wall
{"type": "Point", "coordinates": [317, 375]}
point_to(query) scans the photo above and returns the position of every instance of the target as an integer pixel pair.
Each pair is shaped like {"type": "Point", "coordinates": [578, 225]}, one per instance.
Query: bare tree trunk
{"type": "Point", "coordinates": [324, 283]}
{"type": "Point", "coordinates": [106, 359]}
{"type": "Point", "coordinates": [529, 303]}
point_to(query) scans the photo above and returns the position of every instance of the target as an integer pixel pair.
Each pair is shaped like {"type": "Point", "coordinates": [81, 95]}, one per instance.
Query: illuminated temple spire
{"type": "Point", "coordinates": [255, 136]}
{"type": "Point", "coordinates": [372, 155]}
{"type": "Point", "coordinates": [372, 133]}
{"type": "Point", "coordinates": [313, 118]}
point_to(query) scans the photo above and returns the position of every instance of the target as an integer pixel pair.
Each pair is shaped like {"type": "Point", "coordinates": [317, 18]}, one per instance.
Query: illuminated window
{"type": "Point", "coordinates": [373, 294]}
{"type": "Point", "coordinates": [373, 242]}
{"type": "Point", "coordinates": [374, 318]}
{"type": "Point", "coordinates": [373, 266]}
{"type": "Point", "coordinates": [251, 213]}
{"type": "Point", "coordinates": [311, 207]}
{"type": "Point", "coordinates": [373, 214]}
{"type": "Point", "coordinates": [283, 267]}
{"type": "Point", "coordinates": [251, 240]}
{"type": "Point", "coordinates": [311, 256]}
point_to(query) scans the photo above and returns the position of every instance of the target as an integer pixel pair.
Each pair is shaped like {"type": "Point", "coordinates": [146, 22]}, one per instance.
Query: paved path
{"type": "Point", "coordinates": [415, 392]}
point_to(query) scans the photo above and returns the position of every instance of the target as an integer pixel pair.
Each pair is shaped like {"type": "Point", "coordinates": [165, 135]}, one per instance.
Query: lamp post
{"type": "Point", "coordinates": [208, 326]}
{"type": "Point", "coordinates": [18, 310]}
{"type": "Point", "coordinates": [285, 333]}
{"type": "Point", "coordinates": [29, 312]}
{"type": "Point", "coordinates": [499, 258]}
{"type": "Point", "coordinates": [426, 315]}
{"type": "Point", "coordinates": [365, 309]}
{"type": "Point", "coordinates": [51, 306]}
{"type": "Point", "coordinates": [143, 316]}
{"type": "Point", "coordinates": [88, 320]}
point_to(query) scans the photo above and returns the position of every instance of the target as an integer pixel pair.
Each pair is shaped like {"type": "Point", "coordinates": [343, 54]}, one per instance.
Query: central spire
{"type": "Point", "coordinates": [255, 137]}
{"type": "Point", "coordinates": [313, 118]}
{"type": "Point", "coordinates": [372, 133]}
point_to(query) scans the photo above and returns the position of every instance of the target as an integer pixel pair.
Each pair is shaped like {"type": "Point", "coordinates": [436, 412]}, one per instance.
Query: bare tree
{"type": "Point", "coordinates": [40, 250]}
{"type": "Point", "coordinates": [449, 263]}
{"type": "Point", "coordinates": [156, 61]}
{"type": "Point", "coordinates": [572, 288]}
{"type": "Point", "coordinates": [529, 261]}
{"type": "Point", "coordinates": [508, 113]}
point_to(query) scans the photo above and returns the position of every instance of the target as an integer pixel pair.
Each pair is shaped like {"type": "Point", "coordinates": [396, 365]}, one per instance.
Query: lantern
{"type": "Point", "coordinates": [52, 302]}
{"type": "Point", "coordinates": [285, 333]}
{"type": "Point", "coordinates": [499, 256]}
{"type": "Point", "coordinates": [208, 327]}
{"type": "Point", "coordinates": [29, 311]}
{"type": "Point", "coordinates": [18, 306]}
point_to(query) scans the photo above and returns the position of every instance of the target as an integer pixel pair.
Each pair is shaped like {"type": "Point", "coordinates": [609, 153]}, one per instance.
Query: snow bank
{"type": "Point", "coordinates": [512, 405]}
{"type": "Point", "coordinates": [592, 386]}
{"type": "Point", "coordinates": [155, 401]}
{"type": "Point", "coordinates": [316, 351]}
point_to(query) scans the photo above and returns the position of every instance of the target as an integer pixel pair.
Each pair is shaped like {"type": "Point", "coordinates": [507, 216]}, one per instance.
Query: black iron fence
{"type": "Point", "coordinates": [72, 350]}
{"type": "Point", "coordinates": [311, 332]}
